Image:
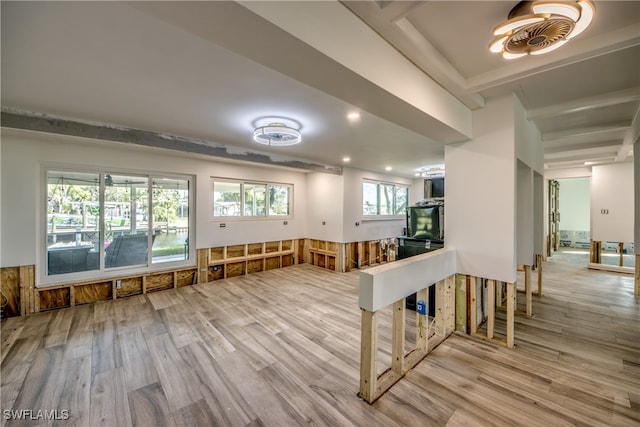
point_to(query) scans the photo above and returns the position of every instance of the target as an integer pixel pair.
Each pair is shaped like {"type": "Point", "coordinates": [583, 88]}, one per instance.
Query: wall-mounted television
{"type": "Point", "coordinates": [425, 222]}
{"type": "Point", "coordinates": [434, 187]}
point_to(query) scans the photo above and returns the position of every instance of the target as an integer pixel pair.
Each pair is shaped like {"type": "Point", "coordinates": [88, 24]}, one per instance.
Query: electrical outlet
{"type": "Point", "coordinates": [118, 284]}
{"type": "Point", "coordinates": [223, 225]}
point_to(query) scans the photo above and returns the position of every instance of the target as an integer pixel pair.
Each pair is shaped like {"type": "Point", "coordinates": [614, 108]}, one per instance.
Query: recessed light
{"type": "Point", "coordinates": [388, 168]}
{"type": "Point", "coordinates": [346, 159]}
{"type": "Point", "coordinates": [416, 174]}
{"type": "Point", "coordinates": [353, 116]}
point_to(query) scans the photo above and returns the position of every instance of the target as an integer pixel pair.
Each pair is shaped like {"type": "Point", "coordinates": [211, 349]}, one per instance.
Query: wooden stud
{"type": "Point", "coordinates": [440, 309]}
{"type": "Point", "coordinates": [499, 294]}
{"type": "Point", "coordinates": [450, 304]}
{"type": "Point", "coordinates": [202, 262]}
{"type": "Point", "coordinates": [511, 308]}
{"type": "Point", "coordinates": [540, 275]}
{"type": "Point", "coordinates": [491, 316]}
{"type": "Point", "coordinates": [527, 290]}
{"type": "Point", "coordinates": [636, 286]}
{"type": "Point", "coordinates": [621, 250]}
{"type": "Point", "coordinates": [72, 296]}
{"type": "Point", "coordinates": [422, 332]}
{"type": "Point", "coordinates": [473, 301]}
{"type": "Point", "coordinates": [397, 337]}
{"type": "Point", "coordinates": [368, 350]}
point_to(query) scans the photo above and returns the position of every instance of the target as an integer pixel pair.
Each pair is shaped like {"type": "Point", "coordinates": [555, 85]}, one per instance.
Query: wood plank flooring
{"type": "Point", "coordinates": [281, 348]}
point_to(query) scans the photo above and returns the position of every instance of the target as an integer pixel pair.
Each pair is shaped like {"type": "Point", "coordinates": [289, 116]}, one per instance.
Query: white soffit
{"type": "Point", "coordinates": [356, 46]}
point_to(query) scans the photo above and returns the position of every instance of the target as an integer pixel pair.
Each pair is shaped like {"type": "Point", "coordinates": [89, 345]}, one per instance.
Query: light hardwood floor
{"type": "Point", "coordinates": [281, 348]}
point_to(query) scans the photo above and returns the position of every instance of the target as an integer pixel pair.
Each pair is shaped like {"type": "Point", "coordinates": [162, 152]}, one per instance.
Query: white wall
{"type": "Point", "coordinates": [636, 191]}
{"type": "Point", "coordinates": [612, 189]}
{"type": "Point", "coordinates": [368, 229]}
{"type": "Point", "coordinates": [23, 195]}
{"type": "Point", "coordinates": [480, 219]}
{"type": "Point", "coordinates": [525, 212]}
{"type": "Point", "coordinates": [575, 211]}
{"type": "Point", "coordinates": [325, 204]}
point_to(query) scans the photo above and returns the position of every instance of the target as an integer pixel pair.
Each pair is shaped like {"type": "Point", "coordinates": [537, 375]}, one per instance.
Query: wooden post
{"type": "Point", "coordinates": [450, 304]}
{"type": "Point", "coordinates": [440, 310]}
{"type": "Point", "coordinates": [473, 301]}
{"type": "Point", "coordinates": [397, 337]}
{"type": "Point", "coordinates": [596, 252]}
{"type": "Point", "coordinates": [498, 294]}
{"type": "Point", "coordinates": [511, 307]}
{"type": "Point", "coordinates": [621, 250]}
{"type": "Point", "coordinates": [422, 332]}
{"type": "Point", "coordinates": [540, 275]}
{"type": "Point", "coordinates": [27, 283]}
{"type": "Point", "coordinates": [491, 316]}
{"type": "Point", "coordinates": [636, 290]}
{"type": "Point", "coordinates": [527, 290]}
{"type": "Point", "coordinates": [368, 350]}
{"type": "Point", "coordinates": [203, 265]}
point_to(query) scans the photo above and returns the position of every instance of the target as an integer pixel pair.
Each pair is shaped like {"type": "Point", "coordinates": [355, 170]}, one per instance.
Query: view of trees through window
{"type": "Point", "coordinates": [384, 199]}
{"type": "Point", "coordinates": [249, 199]}
{"type": "Point", "coordinates": [94, 227]}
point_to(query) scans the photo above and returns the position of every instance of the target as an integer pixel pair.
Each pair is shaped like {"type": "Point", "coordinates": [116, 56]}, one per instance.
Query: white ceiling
{"type": "Point", "coordinates": [210, 70]}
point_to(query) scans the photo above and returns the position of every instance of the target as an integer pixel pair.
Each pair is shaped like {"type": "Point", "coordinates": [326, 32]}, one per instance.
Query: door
{"type": "Point", "coordinates": [553, 240]}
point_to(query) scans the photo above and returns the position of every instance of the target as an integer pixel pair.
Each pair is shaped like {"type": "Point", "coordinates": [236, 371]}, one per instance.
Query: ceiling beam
{"type": "Point", "coordinates": [632, 136]}
{"type": "Point", "coordinates": [582, 135]}
{"type": "Point", "coordinates": [576, 51]}
{"type": "Point", "coordinates": [589, 103]}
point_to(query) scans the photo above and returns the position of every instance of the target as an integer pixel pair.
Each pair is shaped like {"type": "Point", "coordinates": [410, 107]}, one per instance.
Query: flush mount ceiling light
{"type": "Point", "coordinates": [277, 134]}
{"type": "Point", "coordinates": [537, 27]}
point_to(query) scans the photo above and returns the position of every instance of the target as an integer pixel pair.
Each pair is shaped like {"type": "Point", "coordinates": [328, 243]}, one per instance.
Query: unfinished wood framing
{"type": "Point", "coordinates": [368, 253]}
{"type": "Point", "coordinates": [595, 252]}
{"type": "Point", "coordinates": [527, 291]}
{"type": "Point", "coordinates": [237, 260]}
{"type": "Point", "coordinates": [372, 386]}
{"type": "Point", "coordinates": [324, 254]}
{"type": "Point", "coordinates": [494, 299]}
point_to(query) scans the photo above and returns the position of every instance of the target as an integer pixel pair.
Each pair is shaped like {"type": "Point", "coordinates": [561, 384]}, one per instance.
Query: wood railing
{"type": "Point", "coordinates": [390, 284]}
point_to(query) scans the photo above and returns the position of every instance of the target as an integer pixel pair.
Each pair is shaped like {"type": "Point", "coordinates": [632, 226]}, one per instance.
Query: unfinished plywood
{"type": "Point", "coordinates": [235, 269]}
{"type": "Point", "coordinates": [185, 277]}
{"type": "Point", "coordinates": [129, 286]}
{"type": "Point", "coordinates": [10, 287]}
{"type": "Point", "coordinates": [288, 260]}
{"type": "Point", "coordinates": [159, 282]}
{"type": "Point", "coordinates": [272, 247]}
{"type": "Point", "coordinates": [236, 251]}
{"type": "Point", "coordinates": [216, 254]}
{"type": "Point", "coordinates": [255, 266]}
{"type": "Point", "coordinates": [54, 298]}
{"type": "Point", "coordinates": [272, 263]}
{"type": "Point", "coordinates": [216, 272]}
{"type": "Point", "coordinates": [93, 292]}
{"type": "Point", "coordinates": [254, 248]}
{"type": "Point", "coordinates": [287, 245]}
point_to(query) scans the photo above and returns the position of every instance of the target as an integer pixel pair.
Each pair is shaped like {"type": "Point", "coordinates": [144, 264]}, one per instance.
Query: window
{"type": "Point", "coordinates": [97, 221]}
{"type": "Point", "coordinates": [251, 199]}
{"type": "Point", "coordinates": [384, 199]}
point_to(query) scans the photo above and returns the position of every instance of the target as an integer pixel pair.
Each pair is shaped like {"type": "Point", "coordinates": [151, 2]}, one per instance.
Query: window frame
{"type": "Point", "coordinates": [379, 188]}
{"type": "Point", "coordinates": [102, 271]}
{"type": "Point", "coordinates": [242, 217]}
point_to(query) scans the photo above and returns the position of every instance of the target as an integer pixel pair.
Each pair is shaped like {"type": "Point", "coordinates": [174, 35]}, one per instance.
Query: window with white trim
{"type": "Point", "coordinates": [383, 199]}
{"type": "Point", "coordinates": [102, 220]}
{"type": "Point", "coordinates": [240, 199]}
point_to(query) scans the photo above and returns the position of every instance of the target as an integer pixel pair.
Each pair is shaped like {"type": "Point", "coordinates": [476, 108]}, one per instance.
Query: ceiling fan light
{"type": "Point", "coordinates": [586, 16]}
{"type": "Point", "coordinates": [498, 44]}
{"type": "Point", "coordinates": [277, 134]}
{"type": "Point", "coordinates": [514, 23]}
{"type": "Point", "coordinates": [549, 48]}
{"type": "Point", "coordinates": [509, 55]}
{"type": "Point", "coordinates": [557, 8]}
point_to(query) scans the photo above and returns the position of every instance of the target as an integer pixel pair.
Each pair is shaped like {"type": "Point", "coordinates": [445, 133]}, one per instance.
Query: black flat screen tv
{"type": "Point", "coordinates": [425, 222]}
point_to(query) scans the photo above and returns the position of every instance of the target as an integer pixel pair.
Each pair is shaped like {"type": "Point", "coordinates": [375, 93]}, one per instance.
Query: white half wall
{"type": "Point", "coordinates": [480, 218]}
{"type": "Point", "coordinates": [612, 190]}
